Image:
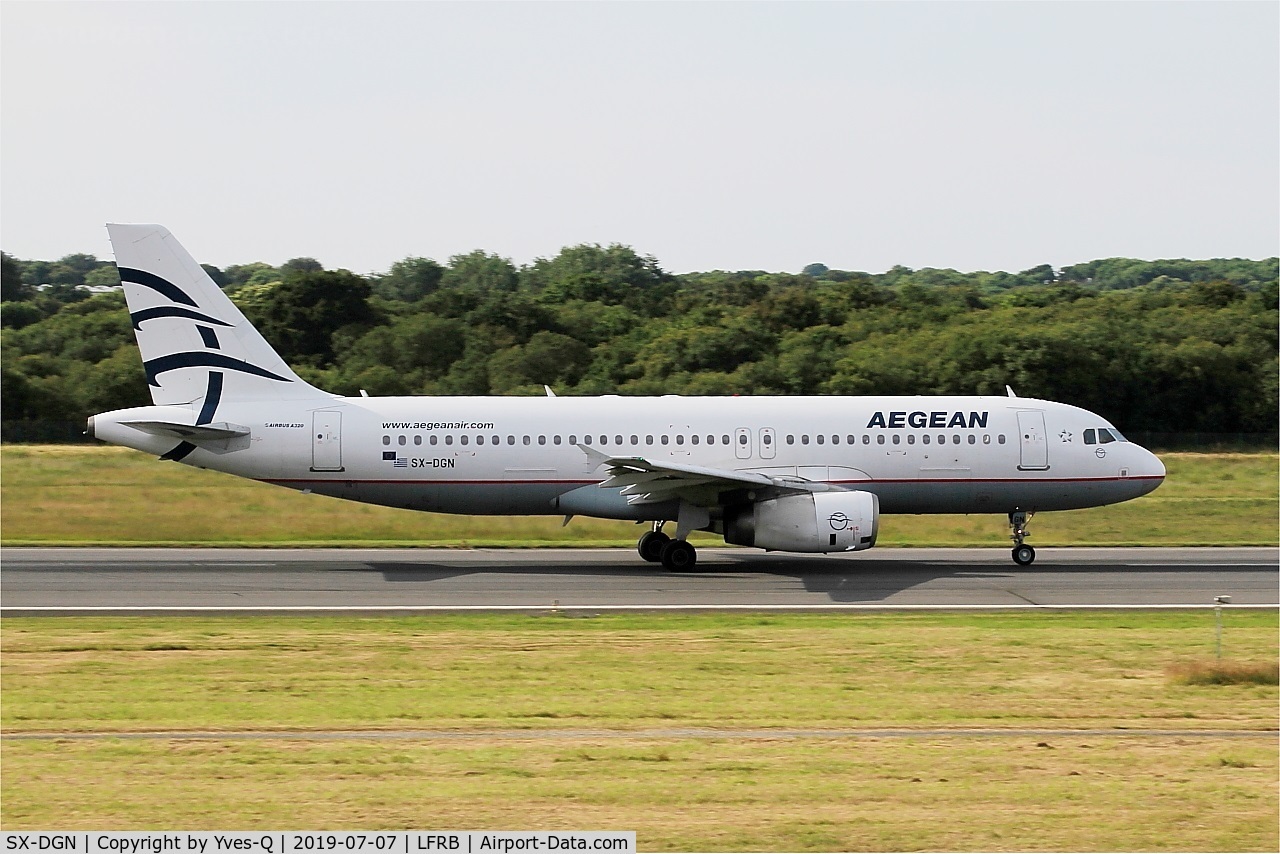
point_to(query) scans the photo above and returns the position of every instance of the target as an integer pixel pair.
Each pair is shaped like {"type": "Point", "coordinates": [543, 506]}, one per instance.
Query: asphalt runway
{"type": "Point", "coordinates": [62, 581]}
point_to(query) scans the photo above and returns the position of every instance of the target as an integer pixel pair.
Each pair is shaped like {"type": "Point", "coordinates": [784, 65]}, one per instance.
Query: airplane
{"type": "Point", "coordinates": [789, 474]}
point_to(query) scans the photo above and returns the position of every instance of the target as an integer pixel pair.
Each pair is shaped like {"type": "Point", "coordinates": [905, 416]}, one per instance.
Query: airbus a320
{"type": "Point", "coordinates": [791, 474]}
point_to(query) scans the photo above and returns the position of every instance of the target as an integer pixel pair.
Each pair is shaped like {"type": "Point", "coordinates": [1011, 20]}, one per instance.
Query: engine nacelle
{"type": "Point", "coordinates": [814, 522]}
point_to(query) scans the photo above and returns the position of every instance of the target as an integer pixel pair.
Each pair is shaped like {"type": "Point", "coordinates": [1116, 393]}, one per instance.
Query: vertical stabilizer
{"type": "Point", "coordinates": [197, 347]}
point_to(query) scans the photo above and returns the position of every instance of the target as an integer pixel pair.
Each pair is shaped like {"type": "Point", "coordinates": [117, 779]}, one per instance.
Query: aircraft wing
{"type": "Point", "coordinates": [646, 481]}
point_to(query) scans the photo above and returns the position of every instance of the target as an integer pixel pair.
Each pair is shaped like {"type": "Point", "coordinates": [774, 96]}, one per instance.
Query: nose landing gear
{"type": "Point", "coordinates": [1023, 555]}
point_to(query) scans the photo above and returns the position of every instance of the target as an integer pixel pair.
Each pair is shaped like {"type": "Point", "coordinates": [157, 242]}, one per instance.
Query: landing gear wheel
{"type": "Point", "coordinates": [650, 545]}
{"type": "Point", "coordinates": [1023, 554]}
{"type": "Point", "coordinates": [679, 556]}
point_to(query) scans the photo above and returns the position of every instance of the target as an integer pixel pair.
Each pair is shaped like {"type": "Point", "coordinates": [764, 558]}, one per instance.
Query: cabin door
{"type": "Point", "coordinates": [1033, 441]}
{"type": "Point", "coordinates": [326, 441]}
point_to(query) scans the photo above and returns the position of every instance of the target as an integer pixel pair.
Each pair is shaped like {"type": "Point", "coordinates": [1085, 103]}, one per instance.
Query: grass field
{"type": "Point", "coordinates": [90, 495]}
{"type": "Point", "coordinates": [620, 676]}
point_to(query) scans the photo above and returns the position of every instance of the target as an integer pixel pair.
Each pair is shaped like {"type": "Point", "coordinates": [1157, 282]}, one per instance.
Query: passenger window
{"type": "Point", "coordinates": [1000, 438]}
{"type": "Point", "coordinates": [791, 440]}
{"type": "Point", "coordinates": [479, 440]}
{"type": "Point", "coordinates": [835, 440]}
{"type": "Point", "coordinates": [648, 440]}
{"type": "Point", "coordinates": [849, 438]}
{"type": "Point", "coordinates": [767, 439]}
{"type": "Point", "coordinates": [680, 439]}
{"type": "Point", "coordinates": [511, 440]}
{"type": "Point", "coordinates": [664, 439]}
{"type": "Point", "coordinates": [821, 439]}
{"type": "Point", "coordinates": [880, 439]}
{"type": "Point", "coordinates": [386, 440]}
{"type": "Point", "coordinates": [986, 439]}
{"type": "Point", "coordinates": [617, 440]}
{"type": "Point", "coordinates": [694, 438]}
{"type": "Point", "coordinates": [897, 440]}
{"type": "Point", "coordinates": [742, 440]}
{"type": "Point", "coordinates": [635, 440]}
{"type": "Point", "coordinates": [464, 439]}
{"type": "Point", "coordinates": [1090, 437]}
{"type": "Point", "coordinates": [555, 439]}
{"type": "Point", "coordinates": [724, 440]}
{"type": "Point", "coordinates": [586, 440]}
{"type": "Point", "coordinates": [435, 440]}
{"type": "Point", "coordinates": [400, 440]}
{"type": "Point", "coordinates": [942, 440]}
{"type": "Point", "coordinates": [955, 439]}
{"type": "Point", "coordinates": [973, 440]}
{"type": "Point", "coordinates": [804, 439]}
{"type": "Point", "coordinates": [573, 440]}
{"type": "Point", "coordinates": [604, 440]}
{"type": "Point", "coordinates": [525, 440]}
{"type": "Point", "coordinates": [866, 440]}
{"type": "Point", "coordinates": [911, 438]}
{"type": "Point", "coordinates": [542, 440]}
{"type": "Point", "coordinates": [497, 440]}
{"type": "Point", "coordinates": [925, 438]}
{"type": "Point", "coordinates": [448, 440]}
{"type": "Point", "coordinates": [711, 440]}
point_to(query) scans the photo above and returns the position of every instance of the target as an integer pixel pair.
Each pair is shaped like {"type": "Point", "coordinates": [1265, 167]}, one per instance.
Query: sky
{"type": "Point", "coordinates": [710, 135]}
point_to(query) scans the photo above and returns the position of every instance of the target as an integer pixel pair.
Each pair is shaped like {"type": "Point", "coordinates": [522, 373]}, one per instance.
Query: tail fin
{"type": "Point", "coordinates": [196, 345]}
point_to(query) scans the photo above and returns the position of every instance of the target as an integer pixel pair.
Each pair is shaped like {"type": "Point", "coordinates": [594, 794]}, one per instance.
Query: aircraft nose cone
{"type": "Point", "coordinates": [1152, 471]}
{"type": "Point", "coordinates": [1157, 467]}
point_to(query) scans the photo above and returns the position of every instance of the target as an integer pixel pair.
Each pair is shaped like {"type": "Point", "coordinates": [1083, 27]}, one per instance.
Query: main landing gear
{"type": "Point", "coordinates": [1023, 555]}
{"type": "Point", "coordinates": [657, 547]}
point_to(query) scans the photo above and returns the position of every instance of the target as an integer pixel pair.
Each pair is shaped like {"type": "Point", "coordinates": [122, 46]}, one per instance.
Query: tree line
{"type": "Point", "coordinates": [1165, 346]}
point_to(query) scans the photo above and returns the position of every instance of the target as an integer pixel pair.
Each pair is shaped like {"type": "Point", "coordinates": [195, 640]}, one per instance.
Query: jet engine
{"type": "Point", "coordinates": [812, 522]}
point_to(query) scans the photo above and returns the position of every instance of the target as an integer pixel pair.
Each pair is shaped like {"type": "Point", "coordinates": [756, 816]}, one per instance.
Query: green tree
{"type": "Point", "coordinates": [301, 265]}
{"type": "Point", "coordinates": [12, 288]}
{"type": "Point", "coordinates": [549, 358]}
{"type": "Point", "coordinates": [480, 272]}
{"type": "Point", "coordinates": [306, 309]}
{"type": "Point", "coordinates": [410, 280]}
{"type": "Point", "coordinates": [613, 275]}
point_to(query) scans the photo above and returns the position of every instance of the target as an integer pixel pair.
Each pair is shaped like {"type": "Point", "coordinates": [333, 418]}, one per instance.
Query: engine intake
{"type": "Point", "coordinates": [814, 522]}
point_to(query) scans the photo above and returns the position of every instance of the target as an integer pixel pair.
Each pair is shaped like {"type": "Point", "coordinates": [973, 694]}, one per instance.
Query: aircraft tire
{"type": "Point", "coordinates": [650, 545]}
{"type": "Point", "coordinates": [679, 556]}
{"type": "Point", "coordinates": [1024, 555]}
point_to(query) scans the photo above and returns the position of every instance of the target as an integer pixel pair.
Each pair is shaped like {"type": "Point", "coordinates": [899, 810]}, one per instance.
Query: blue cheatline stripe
{"type": "Point", "coordinates": [179, 451]}
{"type": "Point", "coordinates": [157, 284]}
{"type": "Point", "coordinates": [211, 398]}
{"type": "Point", "coordinates": [172, 311]}
{"type": "Point", "coordinates": [156, 367]}
{"type": "Point", "coordinates": [209, 337]}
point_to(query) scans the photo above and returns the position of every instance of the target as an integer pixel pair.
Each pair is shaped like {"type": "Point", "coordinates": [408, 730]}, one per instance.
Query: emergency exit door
{"type": "Point", "coordinates": [326, 441]}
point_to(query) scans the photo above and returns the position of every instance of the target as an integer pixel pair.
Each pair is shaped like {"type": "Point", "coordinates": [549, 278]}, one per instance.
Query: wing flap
{"type": "Point", "coordinates": [645, 481]}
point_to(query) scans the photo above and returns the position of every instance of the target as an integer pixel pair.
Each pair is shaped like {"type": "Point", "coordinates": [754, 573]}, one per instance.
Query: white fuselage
{"type": "Point", "coordinates": [521, 455]}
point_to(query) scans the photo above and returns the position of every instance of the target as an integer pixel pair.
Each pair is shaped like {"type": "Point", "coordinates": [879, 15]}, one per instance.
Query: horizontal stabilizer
{"type": "Point", "coordinates": [190, 432]}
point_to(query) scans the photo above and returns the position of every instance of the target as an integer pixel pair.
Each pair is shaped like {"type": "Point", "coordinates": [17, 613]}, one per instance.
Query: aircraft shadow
{"type": "Point", "coordinates": [835, 579]}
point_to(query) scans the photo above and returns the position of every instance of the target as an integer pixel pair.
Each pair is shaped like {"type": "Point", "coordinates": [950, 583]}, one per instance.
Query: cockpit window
{"type": "Point", "coordinates": [1103, 436]}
